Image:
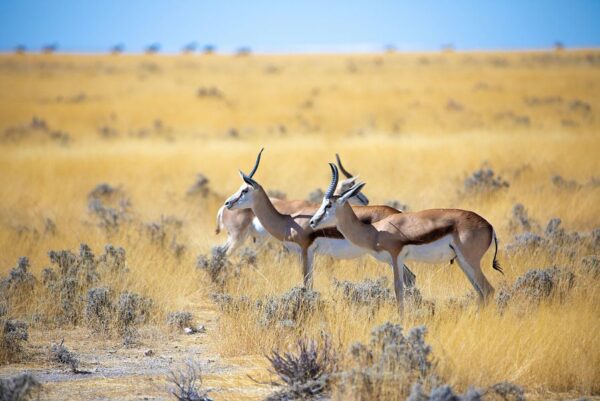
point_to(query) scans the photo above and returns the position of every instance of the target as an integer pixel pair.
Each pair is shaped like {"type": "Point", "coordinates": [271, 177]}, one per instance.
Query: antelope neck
{"type": "Point", "coordinates": [354, 230]}
{"type": "Point", "coordinates": [273, 221]}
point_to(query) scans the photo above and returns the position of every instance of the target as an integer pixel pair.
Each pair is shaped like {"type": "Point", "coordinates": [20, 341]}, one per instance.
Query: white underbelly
{"type": "Point", "coordinates": [259, 229]}
{"type": "Point", "coordinates": [337, 248]}
{"type": "Point", "coordinates": [438, 251]}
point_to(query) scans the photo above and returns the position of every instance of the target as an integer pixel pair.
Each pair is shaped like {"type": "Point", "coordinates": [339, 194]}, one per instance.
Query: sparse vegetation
{"type": "Point", "coordinates": [14, 334]}
{"type": "Point", "coordinates": [103, 150]}
{"type": "Point", "coordinates": [186, 383]}
{"type": "Point", "coordinates": [22, 387]}
{"type": "Point", "coordinates": [304, 374]}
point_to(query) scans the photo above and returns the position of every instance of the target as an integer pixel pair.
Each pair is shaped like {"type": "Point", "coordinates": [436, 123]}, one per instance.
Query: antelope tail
{"type": "Point", "coordinates": [495, 263]}
{"type": "Point", "coordinates": [219, 220]}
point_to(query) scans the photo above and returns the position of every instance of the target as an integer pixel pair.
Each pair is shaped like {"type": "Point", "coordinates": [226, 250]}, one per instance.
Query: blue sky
{"type": "Point", "coordinates": [299, 26]}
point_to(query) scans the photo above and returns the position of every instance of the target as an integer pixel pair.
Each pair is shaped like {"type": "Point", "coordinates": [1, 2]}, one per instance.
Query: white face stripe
{"type": "Point", "coordinates": [241, 199]}
{"type": "Point", "coordinates": [325, 215]}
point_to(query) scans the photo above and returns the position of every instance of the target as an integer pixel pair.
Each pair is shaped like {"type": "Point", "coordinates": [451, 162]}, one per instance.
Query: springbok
{"type": "Point", "coordinates": [432, 236]}
{"type": "Point", "coordinates": [242, 224]}
{"type": "Point", "coordinates": [293, 228]}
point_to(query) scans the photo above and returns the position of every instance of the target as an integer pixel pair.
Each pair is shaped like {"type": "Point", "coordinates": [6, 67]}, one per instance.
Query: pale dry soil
{"type": "Point", "coordinates": [121, 373]}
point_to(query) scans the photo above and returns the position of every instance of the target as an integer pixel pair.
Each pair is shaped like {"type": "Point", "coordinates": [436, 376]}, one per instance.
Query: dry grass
{"type": "Point", "coordinates": [413, 126]}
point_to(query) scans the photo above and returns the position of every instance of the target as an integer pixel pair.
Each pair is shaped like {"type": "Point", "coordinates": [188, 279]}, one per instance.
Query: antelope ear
{"type": "Point", "coordinates": [249, 180]}
{"type": "Point", "coordinates": [352, 179]}
{"type": "Point", "coordinates": [351, 192]}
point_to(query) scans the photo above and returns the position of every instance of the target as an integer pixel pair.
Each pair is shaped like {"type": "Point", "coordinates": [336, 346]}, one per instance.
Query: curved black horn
{"type": "Point", "coordinates": [339, 162]}
{"type": "Point", "coordinates": [256, 164]}
{"type": "Point", "coordinates": [334, 181]}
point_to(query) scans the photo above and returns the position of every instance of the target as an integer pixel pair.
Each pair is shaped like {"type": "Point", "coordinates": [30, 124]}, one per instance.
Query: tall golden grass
{"type": "Point", "coordinates": [393, 118]}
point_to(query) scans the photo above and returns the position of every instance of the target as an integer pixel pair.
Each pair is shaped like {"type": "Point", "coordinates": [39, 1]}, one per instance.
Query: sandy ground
{"type": "Point", "coordinates": [120, 373]}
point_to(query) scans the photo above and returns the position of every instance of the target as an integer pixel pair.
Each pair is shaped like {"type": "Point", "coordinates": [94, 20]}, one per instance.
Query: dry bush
{"type": "Point", "coordinates": [387, 367]}
{"type": "Point", "coordinates": [61, 354]}
{"type": "Point", "coordinates": [17, 288]}
{"type": "Point", "coordinates": [304, 374]}
{"type": "Point", "coordinates": [109, 206]}
{"type": "Point", "coordinates": [217, 266]}
{"type": "Point", "coordinates": [200, 187]}
{"type": "Point", "coordinates": [520, 220]}
{"type": "Point", "coordinates": [180, 320]}
{"type": "Point", "coordinates": [368, 292]}
{"type": "Point", "coordinates": [484, 180]}
{"type": "Point", "coordinates": [290, 308]}
{"type": "Point", "coordinates": [590, 266]}
{"type": "Point", "coordinates": [442, 393]}
{"type": "Point", "coordinates": [537, 285]}
{"type": "Point", "coordinates": [555, 240]}
{"type": "Point", "coordinates": [475, 347]}
{"type": "Point", "coordinates": [186, 383]}
{"type": "Point", "coordinates": [80, 289]}
{"type": "Point", "coordinates": [287, 310]}
{"type": "Point", "coordinates": [14, 334]}
{"type": "Point", "coordinates": [132, 310]}
{"type": "Point", "coordinates": [22, 387]}
{"type": "Point", "coordinates": [221, 269]}
{"type": "Point", "coordinates": [99, 309]}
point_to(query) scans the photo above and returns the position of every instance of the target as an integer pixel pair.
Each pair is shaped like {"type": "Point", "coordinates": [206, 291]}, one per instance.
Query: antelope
{"type": "Point", "coordinates": [432, 236]}
{"type": "Point", "coordinates": [291, 226]}
{"type": "Point", "coordinates": [242, 223]}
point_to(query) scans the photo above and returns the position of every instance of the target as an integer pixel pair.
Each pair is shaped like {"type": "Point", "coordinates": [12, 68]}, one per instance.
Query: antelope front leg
{"type": "Point", "coordinates": [398, 267]}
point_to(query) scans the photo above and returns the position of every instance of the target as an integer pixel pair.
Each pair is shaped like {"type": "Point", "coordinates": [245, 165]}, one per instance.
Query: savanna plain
{"type": "Point", "coordinates": [113, 167]}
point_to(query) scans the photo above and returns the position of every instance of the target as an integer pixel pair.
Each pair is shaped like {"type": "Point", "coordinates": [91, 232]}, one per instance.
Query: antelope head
{"type": "Point", "coordinates": [244, 197]}
{"type": "Point", "coordinates": [346, 184]}
{"type": "Point", "coordinates": [326, 215]}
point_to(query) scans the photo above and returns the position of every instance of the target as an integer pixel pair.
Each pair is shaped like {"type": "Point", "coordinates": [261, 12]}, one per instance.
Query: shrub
{"type": "Point", "coordinates": [99, 309]}
{"type": "Point", "coordinates": [396, 204]}
{"type": "Point", "coordinates": [508, 391]}
{"type": "Point", "coordinates": [19, 281]}
{"type": "Point", "coordinates": [180, 320]}
{"type": "Point", "coordinates": [62, 355]}
{"type": "Point", "coordinates": [275, 193]}
{"type": "Point", "coordinates": [159, 231]}
{"type": "Point", "coordinates": [556, 240]}
{"type": "Point", "coordinates": [109, 205]}
{"type": "Point", "coordinates": [14, 334]}
{"type": "Point", "coordinates": [229, 304]}
{"type": "Point", "coordinates": [186, 384]}
{"type": "Point", "coordinates": [22, 387]}
{"type": "Point", "coordinates": [75, 274]}
{"type": "Point", "coordinates": [442, 393]}
{"type": "Point", "coordinates": [316, 196]}
{"type": "Point", "coordinates": [132, 310]}
{"type": "Point", "coordinates": [200, 186]}
{"type": "Point", "coordinates": [520, 220]}
{"type": "Point", "coordinates": [248, 256]}
{"type": "Point", "coordinates": [388, 366]}
{"type": "Point", "coordinates": [217, 265]}
{"type": "Point", "coordinates": [484, 180]}
{"type": "Point", "coordinates": [113, 260]}
{"type": "Point", "coordinates": [563, 183]}
{"type": "Point", "coordinates": [372, 294]}
{"type": "Point", "coordinates": [71, 284]}
{"type": "Point", "coordinates": [304, 374]}
{"type": "Point", "coordinates": [289, 308]}
{"type": "Point", "coordinates": [590, 265]}
{"type": "Point", "coordinates": [366, 292]}
{"type": "Point", "coordinates": [537, 285]}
